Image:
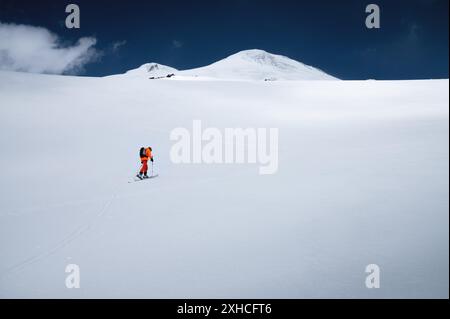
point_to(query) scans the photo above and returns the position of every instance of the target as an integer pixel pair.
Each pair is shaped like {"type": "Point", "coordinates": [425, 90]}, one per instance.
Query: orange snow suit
{"type": "Point", "coordinates": [144, 159]}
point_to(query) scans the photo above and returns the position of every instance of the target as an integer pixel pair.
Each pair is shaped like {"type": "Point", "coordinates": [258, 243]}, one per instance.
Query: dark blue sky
{"type": "Point", "coordinates": [331, 35]}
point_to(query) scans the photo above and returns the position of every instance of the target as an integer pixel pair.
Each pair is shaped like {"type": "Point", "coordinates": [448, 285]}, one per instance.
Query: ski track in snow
{"type": "Point", "coordinates": [60, 245]}
{"type": "Point", "coordinates": [80, 230]}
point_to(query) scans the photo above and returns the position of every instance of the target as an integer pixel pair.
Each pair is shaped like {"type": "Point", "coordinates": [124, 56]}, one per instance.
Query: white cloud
{"type": "Point", "coordinates": [117, 45]}
{"type": "Point", "coordinates": [177, 44]}
{"type": "Point", "coordinates": [35, 49]}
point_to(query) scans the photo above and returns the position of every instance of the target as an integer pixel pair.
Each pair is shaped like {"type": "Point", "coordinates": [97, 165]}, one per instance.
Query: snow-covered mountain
{"type": "Point", "coordinates": [245, 65]}
{"type": "Point", "coordinates": [152, 70]}
{"type": "Point", "coordinates": [259, 65]}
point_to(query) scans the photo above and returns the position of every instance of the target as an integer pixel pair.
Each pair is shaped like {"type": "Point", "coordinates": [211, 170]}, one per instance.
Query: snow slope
{"type": "Point", "coordinates": [362, 179]}
{"type": "Point", "coordinates": [245, 65]}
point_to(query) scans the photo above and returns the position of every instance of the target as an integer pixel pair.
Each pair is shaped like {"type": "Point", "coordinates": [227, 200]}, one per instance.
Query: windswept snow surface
{"type": "Point", "coordinates": [362, 179]}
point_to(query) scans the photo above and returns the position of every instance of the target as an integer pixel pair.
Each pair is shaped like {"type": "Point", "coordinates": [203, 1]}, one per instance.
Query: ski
{"type": "Point", "coordinates": [137, 179]}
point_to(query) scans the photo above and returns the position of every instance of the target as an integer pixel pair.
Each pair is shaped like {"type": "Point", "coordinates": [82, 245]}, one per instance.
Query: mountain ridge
{"type": "Point", "coordinates": [253, 64]}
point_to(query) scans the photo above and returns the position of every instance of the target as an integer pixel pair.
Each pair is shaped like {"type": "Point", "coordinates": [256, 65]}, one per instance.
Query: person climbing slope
{"type": "Point", "coordinates": [145, 155]}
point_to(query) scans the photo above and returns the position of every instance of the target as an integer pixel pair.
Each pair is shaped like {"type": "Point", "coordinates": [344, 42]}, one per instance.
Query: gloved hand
{"type": "Point", "coordinates": [151, 159]}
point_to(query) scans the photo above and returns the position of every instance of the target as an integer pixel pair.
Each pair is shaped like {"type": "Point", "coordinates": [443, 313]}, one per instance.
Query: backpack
{"type": "Point", "coordinates": [142, 152]}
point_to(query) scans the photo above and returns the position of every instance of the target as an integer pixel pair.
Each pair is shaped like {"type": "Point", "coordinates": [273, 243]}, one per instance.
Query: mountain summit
{"type": "Point", "coordinates": [154, 70]}
{"type": "Point", "coordinates": [257, 65]}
